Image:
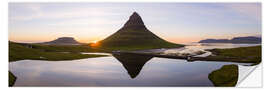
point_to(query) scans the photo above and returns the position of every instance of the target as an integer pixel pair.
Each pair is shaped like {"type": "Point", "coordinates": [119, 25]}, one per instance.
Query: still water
{"type": "Point", "coordinates": [120, 70]}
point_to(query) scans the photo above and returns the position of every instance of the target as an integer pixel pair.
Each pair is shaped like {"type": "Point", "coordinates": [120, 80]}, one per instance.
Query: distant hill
{"type": "Point", "coordinates": [63, 41]}
{"type": "Point", "coordinates": [135, 34]}
{"type": "Point", "coordinates": [244, 40]}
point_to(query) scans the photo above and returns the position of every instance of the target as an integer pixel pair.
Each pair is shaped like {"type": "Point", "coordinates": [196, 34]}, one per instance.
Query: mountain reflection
{"type": "Point", "coordinates": [226, 76]}
{"type": "Point", "coordinates": [132, 63]}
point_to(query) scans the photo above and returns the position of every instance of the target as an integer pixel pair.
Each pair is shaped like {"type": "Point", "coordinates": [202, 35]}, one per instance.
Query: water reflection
{"type": "Point", "coordinates": [227, 75]}
{"type": "Point", "coordinates": [112, 71]}
{"type": "Point", "coordinates": [132, 63]}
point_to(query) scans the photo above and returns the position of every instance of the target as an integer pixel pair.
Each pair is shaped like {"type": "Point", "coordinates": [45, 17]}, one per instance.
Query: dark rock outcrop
{"type": "Point", "coordinates": [134, 20]}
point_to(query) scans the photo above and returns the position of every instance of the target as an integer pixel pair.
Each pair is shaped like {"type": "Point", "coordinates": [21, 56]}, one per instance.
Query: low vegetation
{"type": "Point", "coordinates": [60, 48]}
{"type": "Point", "coordinates": [11, 79]}
{"type": "Point", "coordinates": [226, 76]}
{"type": "Point", "coordinates": [20, 52]}
{"type": "Point", "coordinates": [242, 54]}
{"type": "Point", "coordinates": [248, 54]}
{"type": "Point", "coordinates": [138, 47]}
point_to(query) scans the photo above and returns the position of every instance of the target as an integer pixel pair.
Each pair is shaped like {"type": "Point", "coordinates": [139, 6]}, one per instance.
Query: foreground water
{"type": "Point", "coordinates": [108, 71]}
{"type": "Point", "coordinates": [120, 70]}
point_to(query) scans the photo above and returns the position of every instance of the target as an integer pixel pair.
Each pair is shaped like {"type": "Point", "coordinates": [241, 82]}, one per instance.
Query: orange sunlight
{"type": "Point", "coordinates": [94, 41]}
{"type": "Point", "coordinates": [94, 44]}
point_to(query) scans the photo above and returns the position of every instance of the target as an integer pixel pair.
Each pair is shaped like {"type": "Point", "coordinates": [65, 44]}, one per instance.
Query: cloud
{"type": "Point", "coordinates": [41, 11]}
{"type": "Point", "coordinates": [247, 9]}
{"type": "Point", "coordinates": [170, 21]}
{"type": "Point", "coordinates": [86, 22]}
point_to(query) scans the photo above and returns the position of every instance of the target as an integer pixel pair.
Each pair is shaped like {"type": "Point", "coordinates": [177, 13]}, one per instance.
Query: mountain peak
{"type": "Point", "coordinates": [134, 20]}
{"type": "Point", "coordinates": [135, 34]}
{"type": "Point", "coordinates": [135, 14]}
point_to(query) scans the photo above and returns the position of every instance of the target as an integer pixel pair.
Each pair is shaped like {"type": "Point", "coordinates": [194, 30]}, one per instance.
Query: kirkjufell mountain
{"type": "Point", "coordinates": [135, 34]}
{"type": "Point", "coordinates": [63, 41]}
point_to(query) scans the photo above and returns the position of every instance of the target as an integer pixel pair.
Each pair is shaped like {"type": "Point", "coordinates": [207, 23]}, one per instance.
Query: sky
{"type": "Point", "coordinates": [175, 22]}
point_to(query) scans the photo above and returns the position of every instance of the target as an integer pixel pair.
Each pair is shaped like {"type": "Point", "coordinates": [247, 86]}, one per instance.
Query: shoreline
{"type": "Point", "coordinates": [229, 56]}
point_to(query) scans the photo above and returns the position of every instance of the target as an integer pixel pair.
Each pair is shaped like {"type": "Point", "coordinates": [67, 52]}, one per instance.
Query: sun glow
{"type": "Point", "coordinates": [94, 41]}
{"type": "Point", "coordinates": [94, 44]}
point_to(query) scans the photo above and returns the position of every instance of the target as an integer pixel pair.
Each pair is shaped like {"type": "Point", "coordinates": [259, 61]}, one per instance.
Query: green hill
{"type": "Point", "coordinates": [134, 36]}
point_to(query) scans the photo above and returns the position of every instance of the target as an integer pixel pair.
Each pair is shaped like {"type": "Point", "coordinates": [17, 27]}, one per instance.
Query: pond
{"type": "Point", "coordinates": [127, 70]}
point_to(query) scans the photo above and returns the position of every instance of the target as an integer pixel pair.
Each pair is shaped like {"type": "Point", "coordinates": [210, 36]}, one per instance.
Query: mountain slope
{"type": "Point", "coordinates": [135, 34]}
{"type": "Point", "coordinates": [63, 41]}
{"type": "Point", "coordinates": [246, 40]}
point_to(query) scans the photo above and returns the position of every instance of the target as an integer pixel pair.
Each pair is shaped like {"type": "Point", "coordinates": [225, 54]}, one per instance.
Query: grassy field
{"type": "Point", "coordinates": [99, 48]}
{"type": "Point", "coordinates": [226, 76]}
{"type": "Point", "coordinates": [62, 48]}
{"type": "Point", "coordinates": [135, 37]}
{"type": "Point", "coordinates": [137, 47]}
{"type": "Point", "coordinates": [20, 52]}
{"type": "Point", "coordinates": [243, 54]}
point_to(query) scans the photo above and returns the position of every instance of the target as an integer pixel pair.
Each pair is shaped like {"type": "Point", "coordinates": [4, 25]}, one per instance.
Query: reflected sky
{"type": "Point", "coordinates": [108, 71]}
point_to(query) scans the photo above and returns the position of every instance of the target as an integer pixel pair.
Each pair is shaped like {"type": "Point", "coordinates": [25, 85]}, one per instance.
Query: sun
{"type": "Point", "coordinates": [94, 41]}
{"type": "Point", "coordinates": [94, 44]}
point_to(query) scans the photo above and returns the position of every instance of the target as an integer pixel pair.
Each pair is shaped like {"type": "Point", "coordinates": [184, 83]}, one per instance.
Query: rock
{"type": "Point", "coordinates": [134, 20]}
